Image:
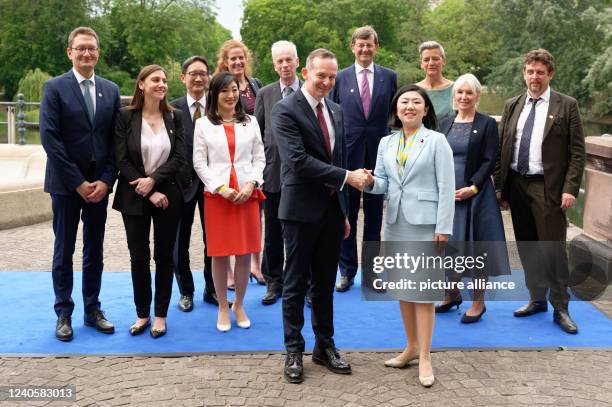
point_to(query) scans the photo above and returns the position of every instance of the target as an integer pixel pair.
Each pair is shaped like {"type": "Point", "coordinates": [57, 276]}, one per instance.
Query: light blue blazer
{"type": "Point", "coordinates": [426, 192]}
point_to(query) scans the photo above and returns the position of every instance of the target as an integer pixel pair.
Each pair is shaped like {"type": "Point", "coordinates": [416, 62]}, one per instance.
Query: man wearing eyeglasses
{"type": "Point", "coordinates": [195, 76]}
{"type": "Point", "coordinates": [77, 115]}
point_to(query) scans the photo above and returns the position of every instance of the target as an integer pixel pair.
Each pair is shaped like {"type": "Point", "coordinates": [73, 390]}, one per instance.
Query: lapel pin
{"type": "Point", "coordinates": [171, 131]}
{"type": "Point", "coordinates": [422, 141]}
{"type": "Point", "coordinates": [100, 94]}
{"type": "Point", "coordinates": [551, 117]}
{"type": "Point", "coordinates": [475, 131]}
{"type": "Point", "coordinates": [352, 90]}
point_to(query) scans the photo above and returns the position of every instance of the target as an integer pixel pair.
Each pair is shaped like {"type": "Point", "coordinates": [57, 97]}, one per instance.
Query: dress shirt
{"type": "Point", "coordinates": [295, 86]}
{"type": "Point", "coordinates": [80, 78]}
{"type": "Point", "coordinates": [358, 69]}
{"type": "Point", "coordinates": [155, 147]}
{"type": "Point", "coordinates": [192, 108]}
{"type": "Point", "coordinates": [537, 134]}
{"type": "Point", "coordinates": [328, 121]}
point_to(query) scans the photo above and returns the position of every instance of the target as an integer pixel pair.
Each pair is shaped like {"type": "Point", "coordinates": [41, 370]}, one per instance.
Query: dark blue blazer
{"type": "Point", "coordinates": [482, 148]}
{"type": "Point", "coordinates": [363, 135]}
{"type": "Point", "coordinates": [70, 138]}
{"type": "Point", "coordinates": [308, 175]}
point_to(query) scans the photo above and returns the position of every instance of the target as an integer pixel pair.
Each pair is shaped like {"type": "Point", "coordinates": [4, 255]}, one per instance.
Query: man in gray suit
{"type": "Point", "coordinates": [286, 62]}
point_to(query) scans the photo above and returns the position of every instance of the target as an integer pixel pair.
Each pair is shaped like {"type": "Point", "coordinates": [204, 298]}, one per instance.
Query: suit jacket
{"type": "Point", "coordinates": [211, 157]}
{"type": "Point", "coordinates": [69, 137]}
{"type": "Point", "coordinates": [131, 166]}
{"type": "Point", "coordinates": [266, 99]}
{"type": "Point", "coordinates": [363, 135]}
{"type": "Point", "coordinates": [482, 148]}
{"type": "Point", "coordinates": [563, 151]}
{"type": "Point", "coordinates": [308, 175]}
{"type": "Point", "coordinates": [425, 193]}
{"type": "Point", "coordinates": [188, 179]}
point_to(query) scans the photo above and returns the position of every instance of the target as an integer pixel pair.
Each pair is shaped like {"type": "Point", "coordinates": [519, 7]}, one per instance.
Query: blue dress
{"type": "Point", "coordinates": [477, 218]}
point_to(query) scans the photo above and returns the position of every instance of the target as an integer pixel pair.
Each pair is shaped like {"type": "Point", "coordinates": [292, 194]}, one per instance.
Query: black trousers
{"type": "Point", "coordinates": [182, 267]}
{"type": "Point", "coordinates": [274, 246]}
{"type": "Point", "coordinates": [311, 246]}
{"type": "Point", "coordinates": [540, 228]}
{"type": "Point", "coordinates": [67, 209]}
{"type": "Point", "coordinates": [137, 229]}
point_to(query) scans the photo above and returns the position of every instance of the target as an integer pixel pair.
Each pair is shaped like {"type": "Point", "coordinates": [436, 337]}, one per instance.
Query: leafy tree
{"type": "Point", "coordinates": [31, 85]}
{"type": "Point", "coordinates": [599, 77]}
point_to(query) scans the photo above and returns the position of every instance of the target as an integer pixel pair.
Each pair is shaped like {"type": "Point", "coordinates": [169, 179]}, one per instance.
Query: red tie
{"type": "Point", "coordinates": [324, 129]}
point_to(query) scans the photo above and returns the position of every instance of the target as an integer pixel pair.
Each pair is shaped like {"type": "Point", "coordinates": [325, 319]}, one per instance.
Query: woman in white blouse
{"type": "Point", "coordinates": [228, 156]}
{"type": "Point", "coordinates": [149, 151]}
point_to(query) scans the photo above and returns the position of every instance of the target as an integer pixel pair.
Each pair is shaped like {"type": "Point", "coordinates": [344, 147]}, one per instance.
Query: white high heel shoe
{"type": "Point", "coordinates": [244, 324]}
{"type": "Point", "coordinates": [223, 327]}
{"type": "Point", "coordinates": [400, 361]}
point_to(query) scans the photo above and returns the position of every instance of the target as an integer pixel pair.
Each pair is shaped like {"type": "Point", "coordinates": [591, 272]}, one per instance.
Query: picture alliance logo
{"type": "Point", "coordinates": [411, 263]}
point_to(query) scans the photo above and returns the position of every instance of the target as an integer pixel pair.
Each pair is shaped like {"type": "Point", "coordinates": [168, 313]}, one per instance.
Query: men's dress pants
{"type": "Point", "coordinates": [274, 251]}
{"type": "Point", "coordinates": [67, 209]}
{"type": "Point", "coordinates": [540, 229]}
{"type": "Point", "coordinates": [182, 267]}
{"type": "Point", "coordinates": [311, 246]}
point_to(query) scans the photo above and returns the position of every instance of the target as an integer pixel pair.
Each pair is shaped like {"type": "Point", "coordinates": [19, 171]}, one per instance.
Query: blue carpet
{"type": "Point", "coordinates": [28, 322]}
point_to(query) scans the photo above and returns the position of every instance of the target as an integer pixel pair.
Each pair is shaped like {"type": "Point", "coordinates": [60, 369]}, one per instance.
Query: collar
{"type": "Point", "coordinates": [545, 96]}
{"type": "Point", "coordinates": [311, 100]}
{"type": "Point", "coordinates": [191, 100]}
{"type": "Point", "coordinates": [295, 85]}
{"type": "Point", "coordinates": [80, 78]}
{"type": "Point", "coordinates": [359, 68]}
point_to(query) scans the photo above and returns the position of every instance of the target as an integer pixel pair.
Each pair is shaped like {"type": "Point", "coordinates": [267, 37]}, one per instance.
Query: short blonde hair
{"type": "Point", "coordinates": [82, 31]}
{"type": "Point", "coordinates": [471, 81]}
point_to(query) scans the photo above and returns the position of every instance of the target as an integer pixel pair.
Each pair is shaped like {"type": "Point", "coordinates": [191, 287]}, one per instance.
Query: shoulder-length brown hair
{"type": "Point", "coordinates": [138, 98]}
{"type": "Point", "coordinates": [222, 57]}
{"type": "Point", "coordinates": [217, 84]}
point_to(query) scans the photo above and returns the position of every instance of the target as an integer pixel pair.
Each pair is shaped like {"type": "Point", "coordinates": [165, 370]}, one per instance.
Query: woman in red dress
{"type": "Point", "coordinates": [228, 156]}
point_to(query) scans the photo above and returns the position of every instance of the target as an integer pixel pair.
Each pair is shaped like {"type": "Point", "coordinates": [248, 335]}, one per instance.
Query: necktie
{"type": "Point", "coordinates": [287, 91]}
{"type": "Point", "coordinates": [88, 98]}
{"type": "Point", "coordinates": [198, 113]}
{"type": "Point", "coordinates": [324, 129]}
{"type": "Point", "coordinates": [522, 164]}
{"type": "Point", "coordinates": [366, 98]}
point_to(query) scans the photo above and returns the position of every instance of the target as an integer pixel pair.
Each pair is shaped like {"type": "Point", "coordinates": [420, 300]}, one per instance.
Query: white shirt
{"type": "Point", "coordinates": [295, 86]}
{"type": "Point", "coordinates": [155, 147]}
{"type": "Point", "coordinates": [192, 108]}
{"type": "Point", "coordinates": [330, 125]}
{"type": "Point", "coordinates": [92, 88]}
{"type": "Point", "coordinates": [358, 70]}
{"type": "Point", "coordinates": [537, 134]}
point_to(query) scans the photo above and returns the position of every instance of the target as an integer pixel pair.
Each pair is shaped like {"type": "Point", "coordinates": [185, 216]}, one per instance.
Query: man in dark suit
{"type": "Point", "coordinates": [538, 175]}
{"type": "Point", "coordinates": [309, 133]}
{"type": "Point", "coordinates": [286, 62]}
{"type": "Point", "coordinates": [195, 76]}
{"type": "Point", "coordinates": [364, 91]}
{"type": "Point", "coordinates": [77, 115]}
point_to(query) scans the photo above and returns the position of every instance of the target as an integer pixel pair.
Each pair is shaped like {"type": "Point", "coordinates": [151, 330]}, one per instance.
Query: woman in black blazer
{"type": "Point", "coordinates": [149, 151]}
{"type": "Point", "coordinates": [474, 140]}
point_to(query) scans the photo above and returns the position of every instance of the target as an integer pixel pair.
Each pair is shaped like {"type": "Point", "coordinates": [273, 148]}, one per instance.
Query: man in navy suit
{"type": "Point", "coordinates": [364, 92]}
{"type": "Point", "coordinates": [77, 115]}
{"type": "Point", "coordinates": [195, 76]}
{"type": "Point", "coordinates": [309, 134]}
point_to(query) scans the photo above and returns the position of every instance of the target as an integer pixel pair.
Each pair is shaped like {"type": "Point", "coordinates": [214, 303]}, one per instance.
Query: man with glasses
{"type": "Point", "coordinates": [77, 115]}
{"type": "Point", "coordinates": [195, 76]}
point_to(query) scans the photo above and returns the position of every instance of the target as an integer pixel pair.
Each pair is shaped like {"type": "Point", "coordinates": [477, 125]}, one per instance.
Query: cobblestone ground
{"type": "Point", "coordinates": [463, 378]}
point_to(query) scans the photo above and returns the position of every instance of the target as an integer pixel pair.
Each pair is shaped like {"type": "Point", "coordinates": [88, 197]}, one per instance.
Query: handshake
{"type": "Point", "coordinates": [360, 178]}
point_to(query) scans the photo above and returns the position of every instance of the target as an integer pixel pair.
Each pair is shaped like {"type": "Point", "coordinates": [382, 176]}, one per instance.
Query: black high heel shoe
{"type": "Point", "coordinates": [260, 282]}
{"type": "Point", "coordinates": [442, 308]}
{"type": "Point", "coordinates": [138, 329]}
{"type": "Point", "coordinates": [466, 319]}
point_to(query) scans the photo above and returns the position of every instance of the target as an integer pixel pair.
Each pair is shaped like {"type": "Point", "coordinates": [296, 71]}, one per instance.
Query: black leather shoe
{"type": "Point", "coordinates": [331, 359]}
{"type": "Point", "coordinates": [308, 301]}
{"type": "Point", "coordinates": [138, 329]}
{"type": "Point", "coordinates": [532, 307]}
{"type": "Point", "coordinates": [562, 318]}
{"type": "Point", "coordinates": [185, 303]}
{"type": "Point", "coordinates": [294, 368]}
{"type": "Point", "coordinates": [272, 294]}
{"type": "Point", "coordinates": [344, 284]}
{"type": "Point", "coordinates": [445, 307]}
{"type": "Point", "coordinates": [97, 320]}
{"type": "Point", "coordinates": [157, 333]}
{"type": "Point", "coordinates": [467, 319]}
{"type": "Point", "coordinates": [63, 328]}
{"type": "Point", "coordinates": [211, 298]}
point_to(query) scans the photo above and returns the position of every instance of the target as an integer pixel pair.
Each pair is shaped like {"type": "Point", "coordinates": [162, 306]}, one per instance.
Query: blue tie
{"type": "Point", "coordinates": [88, 99]}
{"type": "Point", "coordinates": [522, 165]}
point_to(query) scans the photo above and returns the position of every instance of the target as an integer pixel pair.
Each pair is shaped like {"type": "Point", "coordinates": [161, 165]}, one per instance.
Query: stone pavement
{"type": "Point", "coordinates": [463, 378]}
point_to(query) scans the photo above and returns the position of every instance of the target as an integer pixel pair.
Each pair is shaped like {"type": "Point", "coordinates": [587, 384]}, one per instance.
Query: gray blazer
{"type": "Point", "coordinates": [266, 99]}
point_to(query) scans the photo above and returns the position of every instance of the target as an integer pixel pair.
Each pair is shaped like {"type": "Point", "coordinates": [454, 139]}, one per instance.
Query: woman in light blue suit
{"type": "Point", "coordinates": [414, 167]}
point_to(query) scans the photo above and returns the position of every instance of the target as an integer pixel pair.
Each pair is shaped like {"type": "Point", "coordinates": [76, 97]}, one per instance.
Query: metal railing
{"type": "Point", "coordinates": [15, 120]}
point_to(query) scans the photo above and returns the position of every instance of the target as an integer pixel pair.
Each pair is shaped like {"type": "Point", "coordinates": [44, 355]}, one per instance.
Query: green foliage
{"type": "Point", "coordinates": [598, 80]}
{"type": "Point", "coordinates": [31, 85]}
{"type": "Point", "coordinates": [124, 80]}
{"type": "Point", "coordinates": [176, 88]}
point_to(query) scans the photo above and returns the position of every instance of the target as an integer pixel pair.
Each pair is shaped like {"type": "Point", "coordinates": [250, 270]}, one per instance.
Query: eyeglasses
{"type": "Point", "coordinates": [82, 51]}
{"type": "Point", "coordinates": [198, 73]}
